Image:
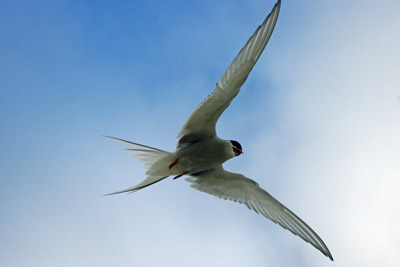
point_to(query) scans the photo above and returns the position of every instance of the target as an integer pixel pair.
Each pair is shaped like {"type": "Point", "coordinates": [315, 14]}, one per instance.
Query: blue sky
{"type": "Point", "coordinates": [318, 119]}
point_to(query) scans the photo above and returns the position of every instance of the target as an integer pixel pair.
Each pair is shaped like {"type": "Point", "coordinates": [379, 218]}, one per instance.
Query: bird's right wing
{"type": "Point", "coordinates": [201, 122]}
{"type": "Point", "coordinates": [238, 188]}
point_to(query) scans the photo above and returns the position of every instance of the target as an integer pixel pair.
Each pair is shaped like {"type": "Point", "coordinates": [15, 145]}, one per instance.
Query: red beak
{"type": "Point", "coordinates": [237, 151]}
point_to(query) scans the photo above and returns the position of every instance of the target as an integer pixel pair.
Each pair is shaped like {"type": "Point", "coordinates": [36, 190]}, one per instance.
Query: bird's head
{"type": "Point", "coordinates": [237, 148]}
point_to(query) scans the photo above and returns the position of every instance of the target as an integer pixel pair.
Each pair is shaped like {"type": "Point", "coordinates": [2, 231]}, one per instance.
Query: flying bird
{"type": "Point", "coordinates": [200, 153]}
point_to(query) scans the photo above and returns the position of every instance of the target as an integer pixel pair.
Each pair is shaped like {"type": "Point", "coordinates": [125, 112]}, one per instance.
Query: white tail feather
{"type": "Point", "coordinates": [147, 157]}
{"type": "Point", "coordinates": [156, 161]}
{"type": "Point", "coordinates": [148, 181]}
{"type": "Point", "coordinates": [145, 154]}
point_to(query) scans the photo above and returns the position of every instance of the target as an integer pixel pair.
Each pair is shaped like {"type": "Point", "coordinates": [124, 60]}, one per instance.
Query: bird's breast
{"type": "Point", "coordinates": [203, 155]}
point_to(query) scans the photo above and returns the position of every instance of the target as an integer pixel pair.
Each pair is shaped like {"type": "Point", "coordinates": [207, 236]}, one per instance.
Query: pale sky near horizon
{"type": "Point", "coordinates": [318, 119]}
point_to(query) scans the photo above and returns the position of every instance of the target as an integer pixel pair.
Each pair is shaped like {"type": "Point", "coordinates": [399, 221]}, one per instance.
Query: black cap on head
{"type": "Point", "coordinates": [236, 144]}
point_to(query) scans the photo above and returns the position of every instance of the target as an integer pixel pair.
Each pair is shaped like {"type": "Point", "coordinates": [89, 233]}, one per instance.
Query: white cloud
{"type": "Point", "coordinates": [338, 95]}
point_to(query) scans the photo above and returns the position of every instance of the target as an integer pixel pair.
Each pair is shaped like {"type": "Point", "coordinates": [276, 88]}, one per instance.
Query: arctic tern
{"type": "Point", "coordinates": [200, 153]}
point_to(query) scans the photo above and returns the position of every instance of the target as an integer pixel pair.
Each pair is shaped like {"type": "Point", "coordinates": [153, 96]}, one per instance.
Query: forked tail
{"type": "Point", "coordinates": [155, 161]}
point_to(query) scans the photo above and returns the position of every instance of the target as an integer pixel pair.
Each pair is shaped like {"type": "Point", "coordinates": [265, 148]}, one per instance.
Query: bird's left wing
{"type": "Point", "coordinates": [238, 188]}
{"type": "Point", "coordinates": [201, 122]}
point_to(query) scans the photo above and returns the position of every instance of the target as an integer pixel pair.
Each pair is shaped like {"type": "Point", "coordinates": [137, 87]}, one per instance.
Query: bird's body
{"type": "Point", "coordinates": [188, 159]}
{"type": "Point", "coordinates": [200, 153]}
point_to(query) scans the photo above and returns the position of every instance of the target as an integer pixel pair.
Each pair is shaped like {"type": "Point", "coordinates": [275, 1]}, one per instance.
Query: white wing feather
{"type": "Point", "coordinates": [238, 188]}
{"type": "Point", "coordinates": [201, 122]}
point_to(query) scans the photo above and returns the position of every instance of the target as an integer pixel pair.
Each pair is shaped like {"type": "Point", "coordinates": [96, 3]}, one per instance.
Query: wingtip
{"type": "Point", "coordinates": [278, 5]}
{"type": "Point", "coordinates": [327, 253]}
{"type": "Point", "coordinates": [330, 256]}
